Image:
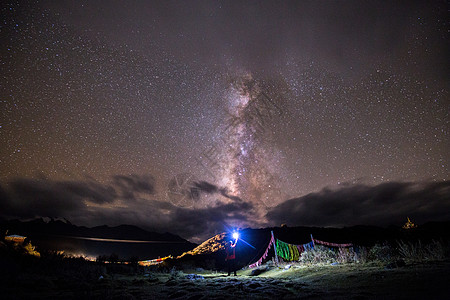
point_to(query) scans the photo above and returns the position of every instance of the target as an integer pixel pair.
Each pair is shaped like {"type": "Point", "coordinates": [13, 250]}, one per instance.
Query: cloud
{"type": "Point", "coordinates": [125, 200]}
{"type": "Point", "coordinates": [46, 197]}
{"type": "Point", "coordinates": [206, 187]}
{"type": "Point", "coordinates": [129, 186]}
{"type": "Point", "coordinates": [384, 204]}
{"type": "Point", "coordinates": [210, 220]}
{"type": "Point", "coordinates": [131, 200]}
{"type": "Point", "coordinates": [4, 200]}
{"type": "Point", "coordinates": [29, 197]}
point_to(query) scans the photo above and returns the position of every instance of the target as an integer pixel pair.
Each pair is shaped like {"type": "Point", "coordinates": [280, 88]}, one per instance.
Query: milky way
{"type": "Point", "coordinates": [250, 155]}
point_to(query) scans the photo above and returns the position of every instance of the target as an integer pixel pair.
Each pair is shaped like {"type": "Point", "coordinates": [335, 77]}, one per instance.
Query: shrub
{"type": "Point", "coordinates": [29, 249]}
{"type": "Point", "coordinates": [175, 274]}
{"type": "Point", "coordinates": [318, 254]}
{"type": "Point", "coordinates": [362, 254]}
{"type": "Point", "coordinates": [436, 250]}
{"type": "Point", "coordinates": [346, 255]}
{"type": "Point", "coordinates": [411, 251]}
{"type": "Point", "coordinates": [381, 252]}
{"type": "Point", "coordinates": [418, 252]}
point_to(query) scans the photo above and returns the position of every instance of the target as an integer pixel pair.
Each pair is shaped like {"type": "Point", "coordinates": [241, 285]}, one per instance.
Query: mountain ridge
{"type": "Point", "coordinates": [40, 226]}
{"type": "Point", "coordinates": [124, 240]}
{"type": "Point", "coordinates": [211, 254]}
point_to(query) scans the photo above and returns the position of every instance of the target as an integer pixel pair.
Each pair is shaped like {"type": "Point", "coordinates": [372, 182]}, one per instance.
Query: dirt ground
{"type": "Point", "coordinates": [413, 281]}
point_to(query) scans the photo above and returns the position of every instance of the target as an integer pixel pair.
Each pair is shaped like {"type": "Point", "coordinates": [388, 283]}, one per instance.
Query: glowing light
{"type": "Point", "coordinates": [235, 235]}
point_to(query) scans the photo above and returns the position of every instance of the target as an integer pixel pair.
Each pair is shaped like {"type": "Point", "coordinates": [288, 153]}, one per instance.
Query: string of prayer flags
{"type": "Point", "coordinates": [283, 250]}
{"type": "Point", "coordinates": [332, 244]}
{"type": "Point", "coordinates": [291, 252]}
{"type": "Point", "coordinates": [259, 262]}
{"type": "Point", "coordinates": [295, 256]}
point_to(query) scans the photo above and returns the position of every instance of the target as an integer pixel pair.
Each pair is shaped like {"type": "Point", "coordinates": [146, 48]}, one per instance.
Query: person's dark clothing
{"type": "Point", "coordinates": [231, 252]}
{"type": "Point", "coordinates": [231, 264]}
{"type": "Point", "coordinates": [231, 258]}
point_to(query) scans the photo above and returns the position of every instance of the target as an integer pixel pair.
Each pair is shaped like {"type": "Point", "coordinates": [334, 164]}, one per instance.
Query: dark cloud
{"type": "Point", "coordinates": [208, 188]}
{"type": "Point", "coordinates": [45, 197]}
{"type": "Point", "coordinates": [91, 203]}
{"type": "Point", "coordinates": [4, 200]}
{"type": "Point", "coordinates": [384, 204]}
{"type": "Point", "coordinates": [133, 184]}
{"type": "Point", "coordinates": [224, 193]}
{"type": "Point", "coordinates": [207, 221]}
{"type": "Point", "coordinates": [29, 197]}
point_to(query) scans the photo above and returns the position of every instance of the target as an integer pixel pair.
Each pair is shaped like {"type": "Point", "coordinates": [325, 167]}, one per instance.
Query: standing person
{"type": "Point", "coordinates": [230, 249]}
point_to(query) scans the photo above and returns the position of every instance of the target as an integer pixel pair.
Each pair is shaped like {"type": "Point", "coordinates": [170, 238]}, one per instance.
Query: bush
{"type": "Point", "coordinates": [418, 252]}
{"type": "Point", "coordinates": [322, 254]}
{"type": "Point", "coordinates": [436, 251]}
{"type": "Point", "coordinates": [381, 252]}
{"type": "Point", "coordinates": [175, 274]}
{"type": "Point", "coordinates": [362, 254]}
{"type": "Point", "coordinates": [318, 254]}
{"type": "Point", "coordinates": [29, 249]}
{"type": "Point", "coordinates": [346, 255]}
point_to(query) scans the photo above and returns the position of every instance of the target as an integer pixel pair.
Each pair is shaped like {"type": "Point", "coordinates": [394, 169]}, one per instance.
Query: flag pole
{"type": "Point", "coordinates": [312, 240]}
{"type": "Point", "coordinates": [274, 248]}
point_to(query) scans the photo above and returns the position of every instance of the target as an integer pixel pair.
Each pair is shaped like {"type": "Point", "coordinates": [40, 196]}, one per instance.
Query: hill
{"type": "Point", "coordinates": [210, 254]}
{"type": "Point", "coordinates": [124, 240]}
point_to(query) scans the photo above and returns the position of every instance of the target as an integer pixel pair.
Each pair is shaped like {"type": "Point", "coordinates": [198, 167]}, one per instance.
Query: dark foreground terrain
{"type": "Point", "coordinates": [417, 266]}
{"type": "Point", "coordinates": [428, 280]}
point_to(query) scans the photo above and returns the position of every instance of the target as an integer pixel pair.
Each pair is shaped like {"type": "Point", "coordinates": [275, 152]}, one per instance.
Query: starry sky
{"type": "Point", "coordinates": [195, 116]}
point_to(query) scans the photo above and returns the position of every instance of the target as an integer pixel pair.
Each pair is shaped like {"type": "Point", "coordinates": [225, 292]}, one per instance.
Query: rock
{"type": "Point", "coordinates": [171, 282]}
{"type": "Point", "coordinates": [396, 264]}
{"type": "Point", "coordinates": [227, 287]}
{"type": "Point", "coordinates": [153, 280]}
{"type": "Point", "coordinates": [195, 297]}
{"type": "Point", "coordinates": [289, 285]}
{"type": "Point", "coordinates": [256, 272]}
{"type": "Point", "coordinates": [177, 294]}
{"type": "Point", "coordinates": [138, 282]}
{"type": "Point", "coordinates": [194, 277]}
{"type": "Point", "coordinates": [287, 267]}
{"type": "Point", "coordinates": [254, 285]}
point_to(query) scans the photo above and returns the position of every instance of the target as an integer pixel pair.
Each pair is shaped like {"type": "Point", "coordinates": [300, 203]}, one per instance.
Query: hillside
{"type": "Point", "coordinates": [211, 252]}
{"type": "Point", "coordinates": [124, 240]}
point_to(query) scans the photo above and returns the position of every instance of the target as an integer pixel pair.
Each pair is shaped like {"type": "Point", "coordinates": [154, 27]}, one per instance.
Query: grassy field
{"type": "Point", "coordinates": [403, 270]}
{"type": "Point", "coordinates": [428, 280]}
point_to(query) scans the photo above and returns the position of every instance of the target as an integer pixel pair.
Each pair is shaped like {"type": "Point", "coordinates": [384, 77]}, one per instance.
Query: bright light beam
{"type": "Point", "coordinates": [247, 243]}
{"type": "Point", "coordinates": [235, 235]}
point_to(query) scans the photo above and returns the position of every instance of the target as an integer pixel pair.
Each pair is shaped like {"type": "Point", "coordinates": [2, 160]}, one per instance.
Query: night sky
{"type": "Point", "coordinates": [195, 116]}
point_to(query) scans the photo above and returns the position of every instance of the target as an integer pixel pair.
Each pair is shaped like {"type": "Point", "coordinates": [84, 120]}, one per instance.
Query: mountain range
{"type": "Point", "coordinates": [253, 242]}
{"type": "Point", "coordinates": [127, 241]}
{"type": "Point", "coordinates": [50, 234]}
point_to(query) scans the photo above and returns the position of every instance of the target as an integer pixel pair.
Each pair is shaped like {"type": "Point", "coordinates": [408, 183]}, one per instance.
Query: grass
{"type": "Point", "coordinates": [357, 274]}
{"type": "Point", "coordinates": [383, 253]}
{"type": "Point", "coordinates": [416, 252]}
